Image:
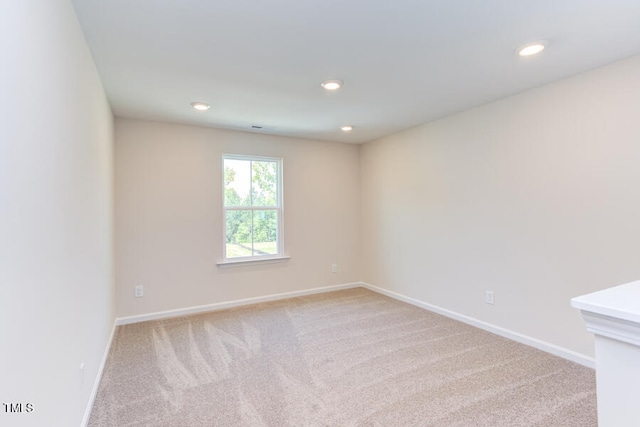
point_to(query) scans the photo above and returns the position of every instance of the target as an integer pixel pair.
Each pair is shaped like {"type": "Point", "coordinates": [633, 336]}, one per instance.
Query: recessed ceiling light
{"type": "Point", "coordinates": [200, 106]}
{"type": "Point", "coordinates": [532, 48]}
{"type": "Point", "coordinates": [346, 128]}
{"type": "Point", "coordinates": [331, 84]}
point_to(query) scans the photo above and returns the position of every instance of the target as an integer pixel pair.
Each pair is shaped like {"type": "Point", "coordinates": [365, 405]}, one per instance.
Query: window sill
{"type": "Point", "coordinates": [246, 262]}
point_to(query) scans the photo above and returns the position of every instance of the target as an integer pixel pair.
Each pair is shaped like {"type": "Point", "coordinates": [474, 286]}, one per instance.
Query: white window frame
{"type": "Point", "coordinates": [279, 208]}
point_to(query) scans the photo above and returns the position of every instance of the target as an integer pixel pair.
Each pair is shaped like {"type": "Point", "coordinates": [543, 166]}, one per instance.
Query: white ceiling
{"type": "Point", "coordinates": [403, 62]}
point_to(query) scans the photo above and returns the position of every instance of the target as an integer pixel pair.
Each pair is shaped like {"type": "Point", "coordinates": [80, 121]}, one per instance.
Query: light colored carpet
{"type": "Point", "coordinates": [346, 358]}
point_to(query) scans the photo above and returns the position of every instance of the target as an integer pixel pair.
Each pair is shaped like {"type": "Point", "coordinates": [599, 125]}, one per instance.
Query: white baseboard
{"type": "Point", "coordinates": [229, 304]}
{"type": "Point", "coordinates": [96, 384]}
{"type": "Point", "coordinates": [498, 330]}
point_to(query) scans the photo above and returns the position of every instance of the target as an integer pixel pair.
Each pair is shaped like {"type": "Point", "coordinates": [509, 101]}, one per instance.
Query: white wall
{"type": "Point", "coordinates": [56, 131]}
{"type": "Point", "coordinates": [168, 198]}
{"type": "Point", "coordinates": [535, 197]}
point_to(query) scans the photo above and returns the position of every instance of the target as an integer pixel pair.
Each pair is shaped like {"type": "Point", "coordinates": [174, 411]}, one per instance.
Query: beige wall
{"type": "Point", "coordinates": [534, 197]}
{"type": "Point", "coordinates": [168, 186]}
{"type": "Point", "coordinates": [56, 134]}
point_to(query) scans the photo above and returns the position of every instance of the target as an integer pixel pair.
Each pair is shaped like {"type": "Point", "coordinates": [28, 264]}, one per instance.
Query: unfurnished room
{"type": "Point", "coordinates": [305, 213]}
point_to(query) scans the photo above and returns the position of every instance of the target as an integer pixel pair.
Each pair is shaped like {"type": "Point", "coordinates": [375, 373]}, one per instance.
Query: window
{"type": "Point", "coordinates": [252, 207]}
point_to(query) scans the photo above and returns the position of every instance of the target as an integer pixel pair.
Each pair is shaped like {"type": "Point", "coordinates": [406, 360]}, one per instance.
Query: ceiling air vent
{"type": "Point", "coordinates": [262, 127]}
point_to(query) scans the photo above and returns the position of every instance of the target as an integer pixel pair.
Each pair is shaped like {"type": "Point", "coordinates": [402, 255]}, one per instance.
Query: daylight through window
{"type": "Point", "coordinates": [252, 207]}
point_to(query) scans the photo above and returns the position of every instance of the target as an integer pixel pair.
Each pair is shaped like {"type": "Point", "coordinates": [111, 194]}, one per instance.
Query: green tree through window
{"type": "Point", "coordinates": [252, 206]}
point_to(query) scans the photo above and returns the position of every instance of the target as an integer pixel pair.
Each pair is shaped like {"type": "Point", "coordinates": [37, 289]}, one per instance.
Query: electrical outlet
{"type": "Point", "coordinates": [488, 297]}
{"type": "Point", "coordinates": [334, 268]}
{"type": "Point", "coordinates": [139, 291]}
